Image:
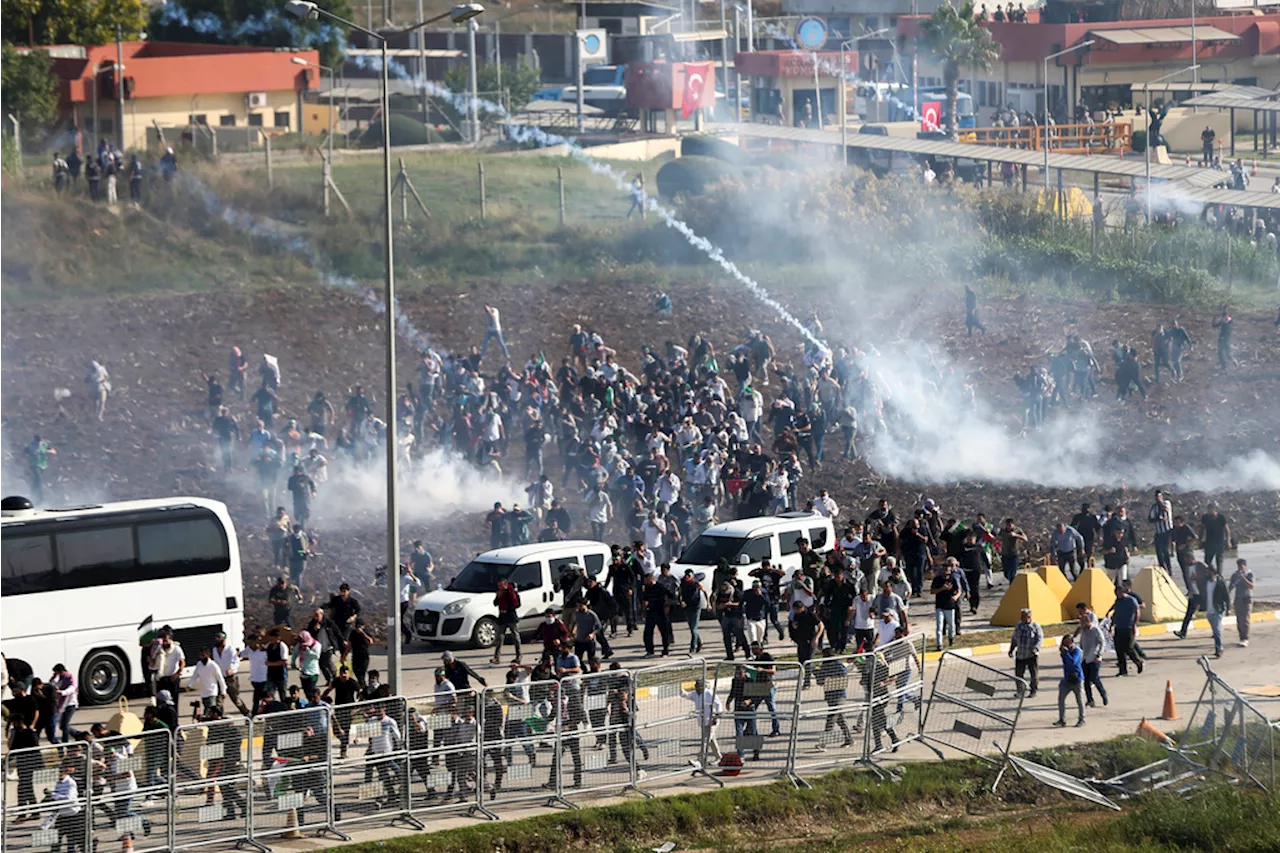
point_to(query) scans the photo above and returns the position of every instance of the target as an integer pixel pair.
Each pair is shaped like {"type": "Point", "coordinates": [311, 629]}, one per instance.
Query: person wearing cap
{"type": "Point", "coordinates": [459, 672]}
{"type": "Point", "coordinates": [1024, 648]}
{"type": "Point", "coordinates": [806, 630]}
{"type": "Point", "coordinates": [552, 633]}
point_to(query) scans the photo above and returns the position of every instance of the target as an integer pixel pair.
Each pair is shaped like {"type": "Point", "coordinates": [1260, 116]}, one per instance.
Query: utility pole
{"type": "Point", "coordinates": [118, 75]}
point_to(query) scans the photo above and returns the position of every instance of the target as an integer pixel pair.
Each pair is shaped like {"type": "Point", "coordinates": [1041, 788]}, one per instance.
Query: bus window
{"type": "Point", "coordinates": [95, 557]}
{"type": "Point", "coordinates": [193, 547]}
{"type": "Point", "coordinates": [28, 564]}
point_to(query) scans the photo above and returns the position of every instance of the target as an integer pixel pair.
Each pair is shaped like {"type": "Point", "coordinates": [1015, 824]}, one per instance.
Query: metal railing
{"type": "Point", "coordinates": [1062, 138]}
{"type": "Point", "coordinates": [243, 781]}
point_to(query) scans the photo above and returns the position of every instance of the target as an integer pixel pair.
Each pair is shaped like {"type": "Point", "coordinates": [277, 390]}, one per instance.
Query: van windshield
{"type": "Point", "coordinates": [604, 76]}
{"type": "Point", "coordinates": [480, 576]}
{"type": "Point", "coordinates": [707, 550]}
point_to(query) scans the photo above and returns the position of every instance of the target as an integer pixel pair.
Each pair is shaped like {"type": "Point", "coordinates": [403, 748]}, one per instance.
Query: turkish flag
{"type": "Point", "coordinates": [695, 80]}
{"type": "Point", "coordinates": [931, 115]}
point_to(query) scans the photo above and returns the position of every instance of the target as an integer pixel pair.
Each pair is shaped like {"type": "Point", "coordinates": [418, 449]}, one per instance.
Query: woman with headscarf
{"type": "Point", "coordinates": [306, 659]}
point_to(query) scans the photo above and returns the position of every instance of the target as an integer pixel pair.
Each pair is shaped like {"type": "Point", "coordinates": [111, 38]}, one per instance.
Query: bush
{"type": "Point", "coordinates": [693, 175]}
{"type": "Point", "coordinates": [404, 131]}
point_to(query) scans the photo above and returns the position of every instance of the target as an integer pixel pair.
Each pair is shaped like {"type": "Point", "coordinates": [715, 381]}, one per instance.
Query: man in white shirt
{"type": "Point", "coordinates": [170, 661]}
{"type": "Point", "coordinates": [227, 657]}
{"type": "Point", "coordinates": [386, 741]}
{"type": "Point", "coordinates": [256, 655]}
{"type": "Point", "coordinates": [207, 679]}
{"type": "Point", "coordinates": [886, 627]}
{"type": "Point", "coordinates": [494, 333]}
{"type": "Point", "coordinates": [929, 175]}
{"type": "Point", "coordinates": [707, 709]}
{"type": "Point", "coordinates": [824, 506]}
{"type": "Point", "coordinates": [653, 530]}
{"type": "Point", "coordinates": [863, 620]}
{"type": "Point", "coordinates": [67, 819]}
{"type": "Point", "coordinates": [668, 491]}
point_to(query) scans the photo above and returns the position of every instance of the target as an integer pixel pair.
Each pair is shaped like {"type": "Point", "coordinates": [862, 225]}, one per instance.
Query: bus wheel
{"type": "Point", "coordinates": [103, 677]}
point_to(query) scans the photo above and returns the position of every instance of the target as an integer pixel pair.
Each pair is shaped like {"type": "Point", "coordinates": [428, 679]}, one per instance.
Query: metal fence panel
{"type": "Point", "coordinates": [760, 701]}
{"type": "Point", "coordinates": [34, 820]}
{"type": "Point", "coordinates": [519, 740]}
{"type": "Point", "coordinates": [897, 694]}
{"type": "Point", "coordinates": [211, 789]}
{"type": "Point", "coordinates": [291, 772]}
{"type": "Point", "coordinates": [973, 708]}
{"type": "Point", "coordinates": [444, 748]}
{"type": "Point", "coordinates": [596, 738]}
{"type": "Point", "coordinates": [370, 773]}
{"type": "Point", "coordinates": [1228, 733]}
{"type": "Point", "coordinates": [676, 710]}
{"type": "Point", "coordinates": [129, 798]}
{"type": "Point", "coordinates": [835, 705]}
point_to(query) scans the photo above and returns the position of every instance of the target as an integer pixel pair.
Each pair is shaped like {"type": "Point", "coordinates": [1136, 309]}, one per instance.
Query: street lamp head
{"type": "Point", "coordinates": [303, 9]}
{"type": "Point", "coordinates": [298, 60]}
{"type": "Point", "coordinates": [465, 12]}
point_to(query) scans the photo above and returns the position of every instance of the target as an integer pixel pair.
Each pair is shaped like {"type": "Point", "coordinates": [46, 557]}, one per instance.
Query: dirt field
{"type": "Point", "coordinates": [155, 438]}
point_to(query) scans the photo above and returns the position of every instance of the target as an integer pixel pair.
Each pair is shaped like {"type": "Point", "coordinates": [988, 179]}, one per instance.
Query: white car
{"type": "Point", "coordinates": [747, 541]}
{"type": "Point", "coordinates": [463, 613]}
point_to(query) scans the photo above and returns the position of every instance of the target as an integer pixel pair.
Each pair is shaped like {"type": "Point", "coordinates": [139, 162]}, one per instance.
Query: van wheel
{"type": "Point", "coordinates": [485, 634]}
{"type": "Point", "coordinates": [103, 677]}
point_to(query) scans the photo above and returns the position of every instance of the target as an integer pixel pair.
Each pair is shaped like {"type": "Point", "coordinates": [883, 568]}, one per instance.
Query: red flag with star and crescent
{"type": "Point", "coordinates": [695, 81]}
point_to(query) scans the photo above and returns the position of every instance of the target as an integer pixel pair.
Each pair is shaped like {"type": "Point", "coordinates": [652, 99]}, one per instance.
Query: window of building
{"type": "Point", "coordinates": [282, 119]}
{"type": "Point", "coordinates": [226, 121]}
{"type": "Point", "coordinates": [106, 126]}
{"type": "Point", "coordinates": [255, 119]}
{"type": "Point", "coordinates": [198, 118]}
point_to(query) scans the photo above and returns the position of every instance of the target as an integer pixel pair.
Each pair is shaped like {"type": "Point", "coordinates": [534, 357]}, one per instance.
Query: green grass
{"type": "Point", "coordinates": [932, 801]}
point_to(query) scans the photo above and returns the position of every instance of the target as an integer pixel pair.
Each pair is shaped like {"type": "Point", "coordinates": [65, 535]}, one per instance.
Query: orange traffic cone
{"type": "Point", "coordinates": [127, 845]}
{"type": "Point", "coordinates": [1170, 711]}
{"type": "Point", "coordinates": [1147, 730]}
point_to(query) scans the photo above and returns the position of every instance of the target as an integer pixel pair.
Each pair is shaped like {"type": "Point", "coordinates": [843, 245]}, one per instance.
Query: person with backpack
{"type": "Point", "coordinates": [507, 600]}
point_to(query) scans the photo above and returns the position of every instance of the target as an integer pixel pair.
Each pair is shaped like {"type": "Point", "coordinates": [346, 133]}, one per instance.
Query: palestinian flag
{"type": "Point", "coordinates": [146, 632]}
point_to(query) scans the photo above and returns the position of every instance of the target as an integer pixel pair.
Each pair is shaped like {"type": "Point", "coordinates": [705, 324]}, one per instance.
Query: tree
{"type": "Point", "coordinates": [520, 82]}
{"type": "Point", "coordinates": [259, 23]}
{"type": "Point", "coordinates": [954, 38]}
{"type": "Point", "coordinates": [28, 88]}
{"type": "Point", "coordinates": [92, 22]}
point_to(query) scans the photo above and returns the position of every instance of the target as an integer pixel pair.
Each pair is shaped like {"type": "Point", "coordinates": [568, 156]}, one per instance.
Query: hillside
{"type": "Point", "coordinates": [159, 298]}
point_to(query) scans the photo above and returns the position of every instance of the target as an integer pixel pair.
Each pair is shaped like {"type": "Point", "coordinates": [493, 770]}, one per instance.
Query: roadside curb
{"type": "Point", "coordinates": [1143, 631]}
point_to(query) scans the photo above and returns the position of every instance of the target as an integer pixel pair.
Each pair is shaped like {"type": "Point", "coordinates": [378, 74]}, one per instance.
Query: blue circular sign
{"type": "Point", "coordinates": [591, 44]}
{"type": "Point", "coordinates": [811, 33]}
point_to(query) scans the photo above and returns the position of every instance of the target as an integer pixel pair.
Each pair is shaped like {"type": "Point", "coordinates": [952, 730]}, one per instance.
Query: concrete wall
{"type": "Point", "coordinates": [175, 111]}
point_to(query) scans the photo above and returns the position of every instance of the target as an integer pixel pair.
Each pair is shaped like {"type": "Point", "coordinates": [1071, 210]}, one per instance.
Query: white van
{"type": "Point", "coordinates": [747, 541]}
{"type": "Point", "coordinates": [463, 612]}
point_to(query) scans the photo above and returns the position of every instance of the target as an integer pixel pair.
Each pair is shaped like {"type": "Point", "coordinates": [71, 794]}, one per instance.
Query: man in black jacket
{"type": "Point", "coordinates": [657, 614]}
{"type": "Point", "coordinates": [1088, 526]}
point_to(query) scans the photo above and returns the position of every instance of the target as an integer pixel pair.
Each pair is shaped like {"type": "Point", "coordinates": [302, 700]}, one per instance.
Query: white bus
{"type": "Point", "coordinates": [78, 583]}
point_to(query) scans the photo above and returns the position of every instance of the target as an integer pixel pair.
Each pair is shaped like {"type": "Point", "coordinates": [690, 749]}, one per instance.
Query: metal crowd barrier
{"type": "Point", "coordinates": [676, 714]}
{"type": "Point", "coordinates": [211, 806]}
{"type": "Point", "coordinates": [1229, 733]}
{"type": "Point", "coordinates": [761, 703]}
{"type": "Point", "coordinates": [244, 781]}
{"type": "Point", "coordinates": [519, 726]}
{"type": "Point", "coordinates": [443, 745]}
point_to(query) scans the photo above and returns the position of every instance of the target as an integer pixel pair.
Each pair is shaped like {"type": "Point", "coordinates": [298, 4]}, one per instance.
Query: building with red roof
{"type": "Point", "coordinates": [175, 84]}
